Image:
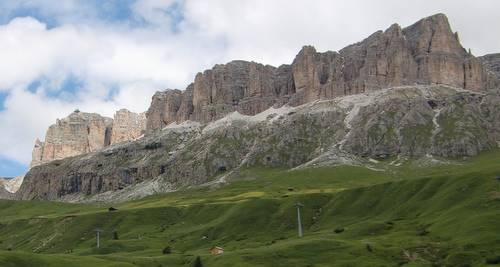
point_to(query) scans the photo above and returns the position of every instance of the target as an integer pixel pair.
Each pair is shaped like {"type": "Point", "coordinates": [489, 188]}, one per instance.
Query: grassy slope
{"type": "Point", "coordinates": [405, 215]}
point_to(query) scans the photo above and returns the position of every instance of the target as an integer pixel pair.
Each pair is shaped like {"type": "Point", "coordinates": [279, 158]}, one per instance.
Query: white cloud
{"type": "Point", "coordinates": [154, 11]}
{"type": "Point", "coordinates": [135, 59]}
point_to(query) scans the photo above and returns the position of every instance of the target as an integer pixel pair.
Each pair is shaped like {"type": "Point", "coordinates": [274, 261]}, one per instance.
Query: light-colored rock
{"type": "Point", "coordinates": [12, 185]}
{"type": "Point", "coordinates": [427, 52]}
{"type": "Point", "coordinates": [163, 109]}
{"type": "Point", "coordinates": [76, 134]}
{"type": "Point", "coordinates": [127, 126]}
{"type": "Point", "coordinates": [9, 186]}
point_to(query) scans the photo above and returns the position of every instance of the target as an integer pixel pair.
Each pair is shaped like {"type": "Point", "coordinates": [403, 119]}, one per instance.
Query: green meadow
{"type": "Point", "coordinates": [407, 215]}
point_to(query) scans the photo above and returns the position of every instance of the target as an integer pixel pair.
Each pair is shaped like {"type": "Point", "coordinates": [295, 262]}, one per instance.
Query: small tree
{"type": "Point", "coordinates": [115, 235]}
{"type": "Point", "coordinates": [197, 262]}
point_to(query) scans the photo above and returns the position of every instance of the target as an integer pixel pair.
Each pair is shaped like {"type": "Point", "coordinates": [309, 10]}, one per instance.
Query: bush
{"type": "Point", "coordinates": [422, 232]}
{"type": "Point", "coordinates": [197, 262]}
{"type": "Point", "coordinates": [493, 259]}
{"type": "Point", "coordinates": [338, 230]}
{"type": "Point", "coordinates": [115, 235]}
{"type": "Point", "coordinates": [167, 250]}
{"type": "Point", "coordinates": [152, 146]}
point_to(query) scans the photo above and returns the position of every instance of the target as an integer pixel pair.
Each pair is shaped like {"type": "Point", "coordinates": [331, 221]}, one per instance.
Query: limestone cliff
{"type": "Point", "coordinates": [411, 121]}
{"type": "Point", "coordinates": [127, 126]}
{"type": "Point", "coordinates": [163, 109]}
{"type": "Point", "coordinates": [9, 186]}
{"type": "Point", "coordinates": [76, 134]}
{"type": "Point", "coordinates": [82, 132]}
{"type": "Point", "coordinates": [492, 63]}
{"type": "Point", "coordinates": [427, 52]}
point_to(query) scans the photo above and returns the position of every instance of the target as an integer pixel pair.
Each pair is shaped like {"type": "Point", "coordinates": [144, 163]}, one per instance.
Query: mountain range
{"type": "Point", "coordinates": [402, 93]}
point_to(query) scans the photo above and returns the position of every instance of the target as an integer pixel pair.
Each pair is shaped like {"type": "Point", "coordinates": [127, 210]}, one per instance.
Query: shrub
{"type": "Point", "coordinates": [338, 230]}
{"type": "Point", "coordinates": [493, 259]}
{"type": "Point", "coordinates": [167, 250]}
{"type": "Point", "coordinates": [115, 235]}
{"type": "Point", "coordinates": [197, 262]}
{"type": "Point", "coordinates": [422, 232]}
{"type": "Point", "coordinates": [152, 146]}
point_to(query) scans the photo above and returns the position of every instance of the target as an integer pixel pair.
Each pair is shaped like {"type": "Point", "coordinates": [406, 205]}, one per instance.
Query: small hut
{"type": "Point", "coordinates": [216, 250]}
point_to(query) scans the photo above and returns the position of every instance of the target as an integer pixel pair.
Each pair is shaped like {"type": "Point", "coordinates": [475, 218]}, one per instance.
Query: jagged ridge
{"type": "Point", "coordinates": [427, 52]}
{"type": "Point", "coordinates": [410, 121]}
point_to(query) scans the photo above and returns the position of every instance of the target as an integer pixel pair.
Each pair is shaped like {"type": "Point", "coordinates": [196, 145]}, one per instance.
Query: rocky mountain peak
{"type": "Point", "coordinates": [305, 51]}
{"type": "Point", "coordinates": [434, 35]}
{"type": "Point", "coordinates": [127, 126]}
{"type": "Point", "coordinates": [82, 132]}
{"type": "Point", "coordinates": [425, 53]}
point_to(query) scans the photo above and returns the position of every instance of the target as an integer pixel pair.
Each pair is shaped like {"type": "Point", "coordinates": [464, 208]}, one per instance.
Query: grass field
{"type": "Point", "coordinates": [407, 215]}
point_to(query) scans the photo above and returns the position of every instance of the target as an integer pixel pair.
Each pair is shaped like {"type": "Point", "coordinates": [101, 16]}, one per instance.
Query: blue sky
{"type": "Point", "coordinates": [100, 56]}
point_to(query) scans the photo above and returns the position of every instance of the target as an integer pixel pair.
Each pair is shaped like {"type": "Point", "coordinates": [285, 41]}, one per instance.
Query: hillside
{"type": "Point", "coordinates": [389, 214]}
{"type": "Point", "coordinates": [407, 122]}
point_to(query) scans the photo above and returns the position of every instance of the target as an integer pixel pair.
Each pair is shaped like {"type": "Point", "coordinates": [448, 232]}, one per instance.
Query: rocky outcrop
{"type": "Point", "coordinates": [76, 134]}
{"type": "Point", "coordinates": [492, 63]}
{"type": "Point", "coordinates": [4, 194]}
{"type": "Point", "coordinates": [163, 109]}
{"type": "Point", "coordinates": [12, 184]}
{"type": "Point", "coordinates": [127, 126]}
{"type": "Point", "coordinates": [82, 132]}
{"type": "Point", "coordinates": [411, 121]}
{"type": "Point", "coordinates": [427, 52]}
{"type": "Point", "coordinates": [9, 186]}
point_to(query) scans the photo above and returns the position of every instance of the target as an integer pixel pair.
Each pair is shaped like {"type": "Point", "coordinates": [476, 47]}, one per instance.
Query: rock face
{"type": "Point", "coordinates": [12, 184]}
{"type": "Point", "coordinates": [163, 109]}
{"type": "Point", "coordinates": [410, 121]}
{"type": "Point", "coordinates": [127, 126]}
{"type": "Point", "coordinates": [399, 92]}
{"type": "Point", "coordinates": [9, 186]}
{"type": "Point", "coordinates": [76, 134]}
{"type": "Point", "coordinates": [492, 62]}
{"type": "Point", "coordinates": [427, 52]}
{"type": "Point", "coordinates": [82, 132]}
{"type": "Point", "coordinates": [4, 194]}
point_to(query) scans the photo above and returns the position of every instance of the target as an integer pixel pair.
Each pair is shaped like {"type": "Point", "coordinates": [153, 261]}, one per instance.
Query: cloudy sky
{"type": "Point", "coordinates": [102, 55]}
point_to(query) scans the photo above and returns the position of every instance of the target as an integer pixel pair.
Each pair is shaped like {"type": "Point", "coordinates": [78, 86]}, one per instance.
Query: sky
{"type": "Point", "coordinates": [102, 55]}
